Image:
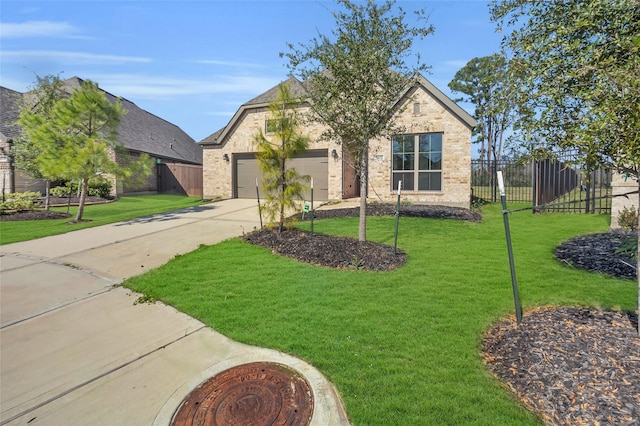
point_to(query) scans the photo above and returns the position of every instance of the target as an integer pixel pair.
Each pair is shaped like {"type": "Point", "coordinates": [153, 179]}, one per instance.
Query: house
{"type": "Point", "coordinates": [12, 180]}
{"type": "Point", "coordinates": [177, 157]}
{"type": "Point", "coordinates": [432, 158]}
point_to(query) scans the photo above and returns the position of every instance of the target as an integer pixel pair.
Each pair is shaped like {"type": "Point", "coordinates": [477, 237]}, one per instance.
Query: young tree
{"type": "Point", "coordinates": [36, 105]}
{"type": "Point", "coordinates": [484, 82]}
{"type": "Point", "coordinates": [575, 67]}
{"type": "Point", "coordinates": [354, 79]}
{"type": "Point", "coordinates": [283, 186]}
{"type": "Point", "coordinates": [79, 140]}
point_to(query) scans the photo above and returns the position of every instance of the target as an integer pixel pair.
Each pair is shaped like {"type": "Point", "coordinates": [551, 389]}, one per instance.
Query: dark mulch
{"type": "Point", "coordinates": [599, 252]}
{"type": "Point", "coordinates": [331, 251]}
{"type": "Point", "coordinates": [41, 214]}
{"type": "Point", "coordinates": [33, 215]}
{"type": "Point", "coordinates": [348, 253]}
{"type": "Point", "coordinates": [434, 212]}
{"type": "Point", "coordinates": [572, 366]}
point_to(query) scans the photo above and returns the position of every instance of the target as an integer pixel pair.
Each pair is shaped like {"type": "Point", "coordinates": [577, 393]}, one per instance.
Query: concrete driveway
{"type": "Point", "coordinates": [75, 350]}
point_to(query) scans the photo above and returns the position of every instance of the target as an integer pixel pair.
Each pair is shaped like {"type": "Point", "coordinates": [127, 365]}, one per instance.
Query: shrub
{"type": "Point", "coordinates": [628, 219]}
{"type": "Point", "coordinates": [60, 191]}
{"type": "Point", "coordinates": [98, 187]}
{"type": "Point", "coordinates": [20, 201]}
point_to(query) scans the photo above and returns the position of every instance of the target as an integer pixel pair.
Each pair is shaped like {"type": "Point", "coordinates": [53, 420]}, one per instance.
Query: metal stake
{"type": "Point", "coordinates": [312, 213]}
{"type": "Point", "coordinates": [395, 238]}
{"type": "Point", "coordinates": [259, 208]}
{"type": "Point", "coordinates": [505, 215]}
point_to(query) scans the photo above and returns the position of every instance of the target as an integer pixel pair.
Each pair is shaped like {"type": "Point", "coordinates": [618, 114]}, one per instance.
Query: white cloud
{"type": "Point", "coordinates": [455, 63]}
{"type": "Point", "coordinates": [36, 29]}
{"type": "Point", "coordinates": [136, 86]}
{"type": "Point", "coordinates": [67, 57]}
{"type": "Point", "coordinates": [229, 63]}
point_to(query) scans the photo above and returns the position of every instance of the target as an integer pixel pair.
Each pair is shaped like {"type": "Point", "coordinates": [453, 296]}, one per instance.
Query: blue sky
{"type": "Point", "coordinates": [194, 63]}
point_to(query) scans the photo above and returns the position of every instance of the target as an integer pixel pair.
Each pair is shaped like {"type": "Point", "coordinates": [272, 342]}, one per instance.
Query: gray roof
{"type": "Point", "coordinates": [261, 101]}
{"type": "Point", "coordinates": [142, 131]}
{"type": "Point", "coordinates": [9, 112]}
{"type": "Point", "coordinates": [297, 90]}
{"type": "Point", "coordinates": [138, 131]}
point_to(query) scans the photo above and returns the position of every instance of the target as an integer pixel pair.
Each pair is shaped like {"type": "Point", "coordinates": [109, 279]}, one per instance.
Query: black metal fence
{"type": "Point", "coordinates": [546, 185]}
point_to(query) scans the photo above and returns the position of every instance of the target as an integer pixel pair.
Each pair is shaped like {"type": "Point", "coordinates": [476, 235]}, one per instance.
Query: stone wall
{"type": "Point", "coordinates": [432, 117]}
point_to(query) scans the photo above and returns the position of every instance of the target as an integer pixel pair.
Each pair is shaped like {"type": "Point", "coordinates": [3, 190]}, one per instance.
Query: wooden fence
{"type": "Point", "coordinates": [176, 178]}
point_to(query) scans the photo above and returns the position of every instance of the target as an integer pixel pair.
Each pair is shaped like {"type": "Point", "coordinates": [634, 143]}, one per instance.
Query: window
{"type": "Point", "coordinates": [271, 126]}
{"type": "Point", "coordinates": [417, 162]}
{"type": "Point", "coordinates": [416, 108]}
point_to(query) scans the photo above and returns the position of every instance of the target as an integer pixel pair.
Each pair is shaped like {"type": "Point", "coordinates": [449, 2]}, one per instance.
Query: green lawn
{"type": "Point", "coordinates": [125, 208]}
{"type": "Point", "coordinates": [402, 347]}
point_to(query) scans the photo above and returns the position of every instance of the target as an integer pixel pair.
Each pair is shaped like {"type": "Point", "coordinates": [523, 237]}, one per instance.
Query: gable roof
{"type": "Point", "coordinates": [142, 131]}
{"type": "Point", "coordinates": [9, 112]}
{"type": "Point", "coordinates": [444, 100]}
{"type": "Point", "coordinates": [297, 90]}
{"type": "Point", "coordinates": [260, 101]}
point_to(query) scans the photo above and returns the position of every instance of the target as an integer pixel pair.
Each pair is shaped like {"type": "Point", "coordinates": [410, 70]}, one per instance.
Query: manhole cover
{"type": "Point", "coordinates": [255, 394]}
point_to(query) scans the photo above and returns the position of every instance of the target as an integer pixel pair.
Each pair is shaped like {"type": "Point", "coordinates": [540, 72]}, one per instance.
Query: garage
{"type": "Point", "coordinates": [312, 163]}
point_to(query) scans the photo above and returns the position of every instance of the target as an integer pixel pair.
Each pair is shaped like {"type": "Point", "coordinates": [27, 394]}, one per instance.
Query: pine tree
{"type": "Point", "coordinates": [283, 186]}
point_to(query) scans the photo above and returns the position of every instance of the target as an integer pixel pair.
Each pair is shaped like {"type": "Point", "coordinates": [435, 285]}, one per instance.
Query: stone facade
{"type": "Point", "coordinates": [435, 114]}
{"type": "Point", "coordinates": [621, 185]}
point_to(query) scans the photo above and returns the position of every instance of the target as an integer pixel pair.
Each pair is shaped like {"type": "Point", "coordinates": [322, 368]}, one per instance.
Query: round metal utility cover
{"type": "Point", "coordinates": [256, 394]}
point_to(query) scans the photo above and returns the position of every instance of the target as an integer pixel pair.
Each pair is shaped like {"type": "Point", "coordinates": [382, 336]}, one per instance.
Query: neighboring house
{"type": "Point", "coordinates": [432, 158]}
{"type": "Point", "coordinates": [12, 180]}
{"type": "Point", "coordinates": [177, 157]}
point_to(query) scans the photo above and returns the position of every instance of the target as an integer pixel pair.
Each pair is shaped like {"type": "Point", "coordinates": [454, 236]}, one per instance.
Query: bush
{"type": "Point", "coordinates": [97, 188]}
{"type": "Point", "coordinates": [60, 191]}
{"type": "Point", "coordinates": [628, 219]}
{"type": "Point", "coordinates": [20, 201]}
{"type": "Point", "coordinates": [100, 188]}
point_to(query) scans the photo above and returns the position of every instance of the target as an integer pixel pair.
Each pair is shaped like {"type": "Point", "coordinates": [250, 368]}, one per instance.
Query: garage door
{"type": "Point", "coordinates": [311, 163]}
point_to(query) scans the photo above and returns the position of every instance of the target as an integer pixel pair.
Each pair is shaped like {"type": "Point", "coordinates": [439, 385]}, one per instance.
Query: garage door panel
{"type": "Point", "coordinates": [313, 163]}
{"type": "Point", "coordinates": [247, 171]}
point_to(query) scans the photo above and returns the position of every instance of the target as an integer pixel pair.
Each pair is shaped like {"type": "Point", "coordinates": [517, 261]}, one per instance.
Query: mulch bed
{"type": "Point", "coordinates": [349, 253]}
{"type": "Point", "coordinates": [572, 366]}
{"type": "Point", "coordinates": [41, 214]}
{"type": "Point", "coordinates": [433, 212]}
{"type": "Point", "coordinates": [331, 251]}
{"type": "Point", "coordinates": [599, 253]}
{"type": "Point", "coordinates": [33, 215]}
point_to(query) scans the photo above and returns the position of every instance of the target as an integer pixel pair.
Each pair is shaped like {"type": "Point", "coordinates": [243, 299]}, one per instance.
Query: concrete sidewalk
{"type": "Point", "coordinates": [75, 350]}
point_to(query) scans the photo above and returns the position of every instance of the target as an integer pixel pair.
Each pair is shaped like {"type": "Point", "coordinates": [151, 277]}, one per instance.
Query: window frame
{"type": "Point", "coordinates": [411, 174]}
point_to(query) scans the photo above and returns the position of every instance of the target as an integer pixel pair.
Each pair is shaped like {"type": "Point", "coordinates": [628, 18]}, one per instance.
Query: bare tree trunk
{"type": "Point", "coordinates": [638, 253]}
{"type": "Point", "coordinates": [364, 179]}
{"type": "Point", "coordinates": [84, 186]}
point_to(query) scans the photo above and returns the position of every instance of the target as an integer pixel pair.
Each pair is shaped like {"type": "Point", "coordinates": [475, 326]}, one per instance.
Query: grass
{"type": "Point", "coordinates": [126, 208]}
{"type": "Point", "coordinates": [402, 347]}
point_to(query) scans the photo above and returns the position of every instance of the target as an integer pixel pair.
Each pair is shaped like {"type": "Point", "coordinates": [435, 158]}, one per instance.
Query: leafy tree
{"type": "Point", "coordinates": [283, 186]}
{"type": "Point", "coordinates": [36, 105]}
{"type": "Point", "coordinates": [353, 79]}
{"type": "Point", "coordinates": [575, 67]}
{"type": "Point", "coordinates": [484, 82]}
{"type": "Point", "coordinates": [79, 140]}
